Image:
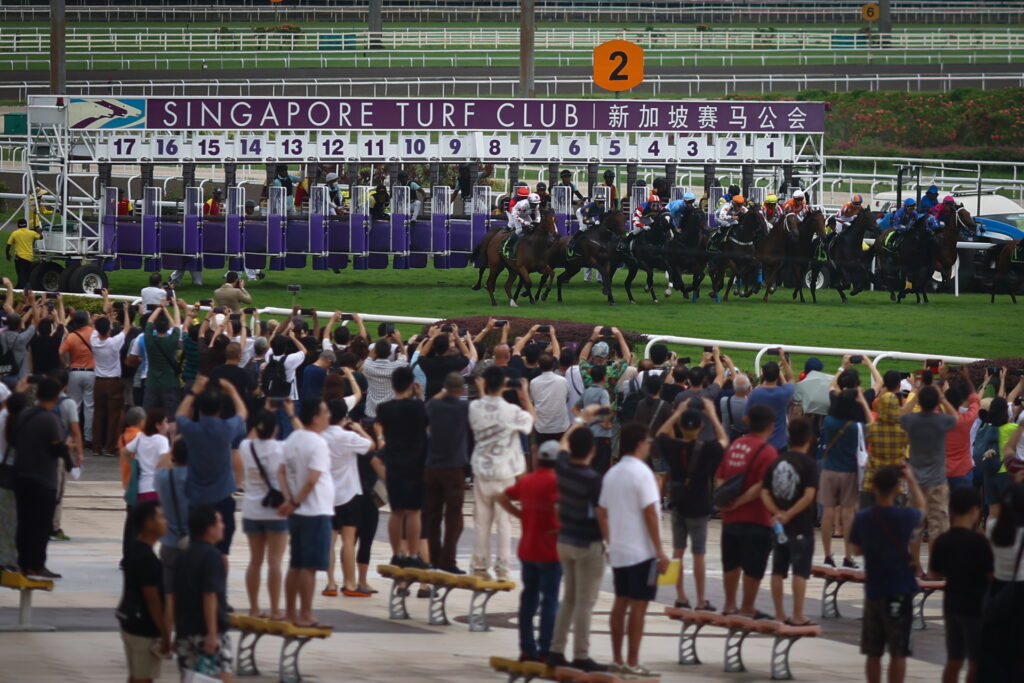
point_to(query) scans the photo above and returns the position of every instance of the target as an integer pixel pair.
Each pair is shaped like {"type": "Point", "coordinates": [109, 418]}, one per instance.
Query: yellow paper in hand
{"type": "Point", "coordinates": [671, 575]}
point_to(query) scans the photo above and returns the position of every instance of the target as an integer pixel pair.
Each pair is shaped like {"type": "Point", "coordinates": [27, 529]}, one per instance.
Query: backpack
{"type": "Point", "coordinates": [737, 428]}
{"type": "Point", "coordinates": [627, 405]}
{"type": "Point", "coordinates": [274, 383]}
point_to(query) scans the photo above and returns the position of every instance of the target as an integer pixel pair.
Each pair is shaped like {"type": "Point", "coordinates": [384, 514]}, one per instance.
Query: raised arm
{"type": "Point", "coordinates": [556, 349]}
{"type": "Point", "coordinates": [624, 350]}
{"type": "Point", "coordinates": [517, 349]}
{"type": "Point", "coordinates": [482, 334]}
{"type": "Point", "coordinates": [712, 415]}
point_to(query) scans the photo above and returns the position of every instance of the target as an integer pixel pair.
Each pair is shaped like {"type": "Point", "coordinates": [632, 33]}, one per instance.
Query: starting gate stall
{"type": "Point", "coordinates": [77, 140]}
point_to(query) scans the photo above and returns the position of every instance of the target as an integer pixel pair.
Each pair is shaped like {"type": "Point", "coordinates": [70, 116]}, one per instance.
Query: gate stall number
{"type": "Point", "coordinates": [261, 130]}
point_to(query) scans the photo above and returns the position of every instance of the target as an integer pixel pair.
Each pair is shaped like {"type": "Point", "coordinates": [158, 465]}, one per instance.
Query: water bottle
{"type": "Point", "coordinates": [780, 533]}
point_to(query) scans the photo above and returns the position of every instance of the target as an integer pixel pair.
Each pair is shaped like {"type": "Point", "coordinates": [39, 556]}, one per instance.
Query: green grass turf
{"type": "Point", "coordinates": [967, 325]}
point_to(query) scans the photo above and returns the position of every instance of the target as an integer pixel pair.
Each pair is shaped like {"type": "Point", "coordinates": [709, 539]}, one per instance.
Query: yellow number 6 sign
{"type": "Point", "coordinates": [870, 12]}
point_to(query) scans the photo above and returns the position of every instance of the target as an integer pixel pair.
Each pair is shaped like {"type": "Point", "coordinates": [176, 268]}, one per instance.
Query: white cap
{"type": "Point", "coordinates": [906, 386]}
{"type": "Point", "coordinates": [331, 177]}
{"type": "Point", "coordinates": [798, 193]}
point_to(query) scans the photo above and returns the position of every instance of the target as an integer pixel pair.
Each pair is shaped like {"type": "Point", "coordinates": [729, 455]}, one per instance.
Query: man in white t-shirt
{"type": "Point", "coordinates": [308, 489]}
{"type": "Point", "coordinates": [628, 514]}
{"type": "Point", "coordinates": [154, 294]}
{"type": "Point", "coordinates": [497, 461]}
{"type": "Point", "coordinates": [549, 393]}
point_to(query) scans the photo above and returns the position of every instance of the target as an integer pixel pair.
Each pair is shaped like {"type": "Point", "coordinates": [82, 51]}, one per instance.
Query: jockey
{"type": "Point", "coordinates": [545, 196]}
{"type": "Point", "coordinates": [772, 212]}
{"type": "Point", "coordinates": [590, 214]}
{"type": "Point", "coordinates": [681, 208]}
{"type": "Point", "coordinates": [643, 213]}
{"type": "Point", "coordinates": [848, 212]}
{"type": "Point", "coordinates": [730, 214]}
{"type": "Point", "coordinates": [905, 215]}
{"type": "Point", "coordinates": [609, 182]}
{"type": "Point", "coordinates": [565, 178]}
{"type": "Point", "coordinates": [930, 199]}
{"type": "Point", "coordinates": [214, 206]}
{"type": "Point", "coordinates": [334, 195]}
{"type": "Point", "coordinates": [727, 197]}
{"type": "Point", "coordinates": [521, 192]}
{"type": "Point", "coordinates": [796, 205]}
{"type": "Point", "coordinates": [943, 212]}
{"type": "Point", "coordinates": [525, 212]}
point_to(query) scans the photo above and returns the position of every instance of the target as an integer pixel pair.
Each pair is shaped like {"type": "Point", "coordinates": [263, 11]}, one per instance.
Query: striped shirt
{"type": "Point", "coordinates": [378, 377]}
{"type": "Point", "coordinates": [579, 489]}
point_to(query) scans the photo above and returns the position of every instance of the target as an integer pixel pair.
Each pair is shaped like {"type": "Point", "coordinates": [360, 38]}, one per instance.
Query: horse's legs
{"type": "Point", "coordinates": [728, 287]}
{"type": "Point", "coordinates": [479, 278]}
{"type": "Point", "coordinates": [650, 285]}
{"type": "Point", "coordinates": [508, 288]}
{"type": "Point", "coordinates": [629, 282]}
{"type": "Point", "coordinates": [492, 279]}
{"type": "Point", "coordinates": [609, 271]}
{"type": "Point", "coordinates": [698, 278]}
{"type": "Point", "coordinates": [524, 278]}
{"type": "Point", "coordinates": [815, 269]}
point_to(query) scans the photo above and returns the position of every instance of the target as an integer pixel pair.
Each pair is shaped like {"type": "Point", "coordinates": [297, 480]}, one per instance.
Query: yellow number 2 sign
{"type": "Point", "coordinates": [618, 65]}
{"type": "Point", "coordinates": [870, 12]}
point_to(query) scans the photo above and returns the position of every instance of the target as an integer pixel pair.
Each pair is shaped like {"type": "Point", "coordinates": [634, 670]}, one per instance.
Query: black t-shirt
{"type": "Point", "coordinates": [199, 570]}
{"type": "Point", "coordinates": [691, 480]}
{"type": "Point", "coordinates": [670, 391]}
{"type": "Point", "coordinates": [45, 350]}
{"type": "Point", "coordinates": [35, 446]}
{"type": "Point", "coordinates": [513, 372]}
{"type": "Point", "coordinates": [141, 569]}
{"type": "Point", "coordinates": [436, 368]}
{"type": "Point", "coordinates": [579, 490]}
{"type": "Point", "coordinates": [869, 396]}
{"type": "Point", "coordinates": [404, 422]}
{"type": "Point", "coordinates": [240, 378]}
{"type": "Point", "coordinates": [449, 432]}
{"type": "Point", "coordinates": [964, 557]}
{"type": "Point", "coordinates": [787, 479]}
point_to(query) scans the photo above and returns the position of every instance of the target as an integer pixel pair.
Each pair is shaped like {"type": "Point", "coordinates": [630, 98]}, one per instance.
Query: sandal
{"type": "Point", "coordinates": [706, 607]}
{"type": "Point", "coordinates": [330, 592]}
{"type": "Point", "coordinates": [790, 622]}
{"type": "Point", "coordinates": [683, 604]}
{"type": "Point", "coordinates": [366, 589]}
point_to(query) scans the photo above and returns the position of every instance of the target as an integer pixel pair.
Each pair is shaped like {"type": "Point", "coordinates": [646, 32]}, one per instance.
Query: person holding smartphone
{"type": "Point", "coordinates": [232, 294]}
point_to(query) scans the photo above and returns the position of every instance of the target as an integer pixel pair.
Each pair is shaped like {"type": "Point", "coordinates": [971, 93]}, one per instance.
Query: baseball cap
{"type": "Point", "coordinates": [548, 451]}
{"type": "Point", "coordinates": [813, 364]}
{"type": "Point", "coordinates": [691, 419]}
{"type": "Point", "coordinates": [22, 223]}
{"type": "Point", "coordinates": [600, 349]}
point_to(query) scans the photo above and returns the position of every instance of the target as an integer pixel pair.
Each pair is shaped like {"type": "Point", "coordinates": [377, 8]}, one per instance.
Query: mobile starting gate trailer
{"type": "Point", "coordinates": [74, 142]}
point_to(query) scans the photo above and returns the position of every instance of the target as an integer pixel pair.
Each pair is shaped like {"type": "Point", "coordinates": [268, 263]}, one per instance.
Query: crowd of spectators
{"type": "Point", "coordinates": [317, 427]}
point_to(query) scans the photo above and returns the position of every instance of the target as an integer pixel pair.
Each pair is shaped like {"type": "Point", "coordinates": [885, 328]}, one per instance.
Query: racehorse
{"type": "Point", "coordinates": [914, 261]}
{"type": "Point", "coordinates": [846, 259]}
{"type": "Point", "coordinates": [653, 249]}
{"type": "Point", "coordinates": [772, 250]}
{"type": "Point", "coordinates": [594, 249]}
{"type": "Point", "coordinates": [960, 223]}
{"type": "Point", "coordinates": [531, 255]}
{"type": "Point", "coordinates": [738, 255]}
{"type": "Point", "coordinates": [690, 244]}
{"type": "Point", "coordinates": [1009, 258]}
{"type": "Point", "coordinates": [801, 250]}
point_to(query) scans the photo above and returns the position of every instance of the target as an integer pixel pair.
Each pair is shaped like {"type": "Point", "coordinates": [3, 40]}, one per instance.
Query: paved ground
{"type": "Point", "coordinates": [366, 645]}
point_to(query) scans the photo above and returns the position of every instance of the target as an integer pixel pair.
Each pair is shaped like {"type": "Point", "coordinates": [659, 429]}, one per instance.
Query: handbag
{"type": "Point", "coordinates": [733, 487]}
{"type": "Point", "coordinates": [131, 493]}
{"type": "Point", "coordinates": [6, 471]}
{"type": "Point", "coordinates": [274, 498]}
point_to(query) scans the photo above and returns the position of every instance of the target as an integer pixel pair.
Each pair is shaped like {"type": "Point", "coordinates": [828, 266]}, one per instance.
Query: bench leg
{"type": "Point", "coordinates": [25, 615]}
{"type": "Point", "coordinates": [780, 657]}
{"type": "Point", "coordinates": [830, 599]}
{"type": "Point", "coordinates": [688, 642]}
{"type": "Point", "coordinates": [245, 661]}
{"type": "Point", "coordinates": [289, 665]}
{"type": "Point", "coordinates": [437, 616]}
{"type": "Point", "coordinates": [478, 610]}
{"type": "Point", "coordinates": [396, 600]}
{"type": "Point", "coordinates": [919, 600]}
{"type": "Point", "coordinates": [734, 650]}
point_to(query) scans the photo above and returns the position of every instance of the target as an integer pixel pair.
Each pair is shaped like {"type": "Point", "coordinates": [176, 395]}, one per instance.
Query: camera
{"type": "Point", "coordinates": [294, 288]}
{"type": "Point", "coordinates": [1019, 373]}
{"type": "Point", "coordinates": [773, 352]}
{"type": "Point", "coordinates": [463, 331]}
{"type": "Point", "coordinates": [306, 311]}
{"type": "Point", "coordinates": [248, 311]}
{"type": "Point", "coordinates": [856, 360]}
{"type": "Point", "coordinates": [604, 412]}
{"type": "Point", "coordinates": [347, 316]}
{"type": "Point", "coordinates": [500, 323]}
{"type": "Point", "coordinates": [446, 328]}
{"type": "Point", "coordinates": [932, 364]}
{"type": "Point", "coordinates": [206, 302]}
{"type": "Point", "coordinates": [544, 329]}
{"type": "Point", "coordinates": [606, 331]}
{"type": "Point", "coordinates": [992, 370]}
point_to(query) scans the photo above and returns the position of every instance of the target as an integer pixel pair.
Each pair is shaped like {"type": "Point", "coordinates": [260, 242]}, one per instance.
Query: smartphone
{"type": "Point", "coordinates": [500, 323]}
{"type": "Point", "coordinates": [772, 352]}
{"type": "Point", "coordinates": [389, 329]}
{"type": "Point", "coordinates": [932, 364]}
{"type": "Point", "coordinates": [294, 288]}
{"type": "Point", "coordinates": [347, 316]}
{"type": "Point", "coordinates": [919, 373]}
{"type": "Point", "coordinates": [513, 382]}
{"type": "Point", "coordinates": [306, 311]}
{"type": "Point", "coordinates": [993, 370]}
{"type": "Point", "coordinates": [1019, 373]}
{"type": "Point", "coordinates": [606, 331]}
{"type": "Point", "coordinates": [248, 311]}
{"type": "Point", "coordinates": [218, 309]}
{"type": "Point", "coordinates": [904, 375]}
{"type": "Point", "coordinates": [709, 349]}
{"type": "Point", "coordinates": [685, 360]}
{"type": "Point", "coordinates": [953, 368]}
{"type": "Point", "coordinates": [206, 302]}
{"type": "Point", "coordinates": [463, 331]}
{"type": "Point", "coordinates": [51, 295]}
{"type": "Point", "coordinates": [544, 329]}
{"type": "Point", "coordinates": [235, 316]}
{"type": "Point", "coordinates": [856, 360]}
{"type": "Point", "coordinates": [446, 328]}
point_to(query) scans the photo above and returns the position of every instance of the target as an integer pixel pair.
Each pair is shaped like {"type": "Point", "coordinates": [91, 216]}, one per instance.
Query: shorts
{"type": "Point", "coordinates": [886, 625]}
{"type": "Point", "coordinates": [258, 527]}
{"type": "Point", "coordinates": [637, 581]}
{"type": "Point", "coordinates": [694, 529]}
{"type": "Point", "coordinates": [192, 656]}
{"type": "Point", "coordinates": [837, 489]}
{"type": "Point", "coordinates": [405, 493]}
{"type": "Point", "coordinates": [995, 486]}
{"type": "Point", "coordinates": [226, 508]}
{"type": "Point", "coordinates": [541, 437]}
{"type": "Point", "coordinates": [310, 541]}
{"type": "Point", "coordinates": [143, 655]}
{"type": "Point", "coordinates": [167, 398]}
{"type": "Point", "coordinates": [956, 482]}
{"type": "Point", "coordinates": [796, 553]}
{"type": "Point", "coordinates": [346, 515]}
{"type": "Point", "coordinates": [746, 546]}
{"type": "Point", "coordinates": [963, 637]}
{"type": "Point", "coordinates": [936, 499]}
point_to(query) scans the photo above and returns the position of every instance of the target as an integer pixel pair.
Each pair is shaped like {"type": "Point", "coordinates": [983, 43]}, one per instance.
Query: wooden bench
{"type": "Point", "coordinates": [294, 638]}
{"type": "Point", "coordinates": [528, 671]}
{"type": "Point", "coordinates": [835, 577]}
{"type": "Point", "coordinates": [739, 627]}
{"type": "Point", "coordinates": [25, 586]}
{"type": "Point", "coordinates": [441, 585]}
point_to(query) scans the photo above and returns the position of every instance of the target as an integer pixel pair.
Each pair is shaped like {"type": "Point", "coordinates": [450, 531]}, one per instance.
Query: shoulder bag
{"type": "Point", "coordinates": [274, 498]}
{"type": "Point", "coordinates": [1000, 603]}
{"type": "Point", "coordinates": [733, 487]}
{"type": "Point", "coordinates": [834, 441]}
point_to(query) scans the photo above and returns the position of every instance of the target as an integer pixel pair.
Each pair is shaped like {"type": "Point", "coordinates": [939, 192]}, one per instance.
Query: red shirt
{"type": "Point", "coordinates": [751, 455]}
{"type": "Point", "coordinates": [537, 492]}
{"type": "Point", "coordinates": [958, 440]}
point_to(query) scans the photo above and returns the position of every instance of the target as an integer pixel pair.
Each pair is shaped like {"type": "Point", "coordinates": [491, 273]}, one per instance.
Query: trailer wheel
{"type": "Point", "coordinates": [46, 276]}
{"type": "Point", "coordinates": [88, 279]}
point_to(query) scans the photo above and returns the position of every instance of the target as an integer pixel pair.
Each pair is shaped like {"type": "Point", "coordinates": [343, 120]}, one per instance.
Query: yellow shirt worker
{"type": "Point", "coordinates": [23, 240]}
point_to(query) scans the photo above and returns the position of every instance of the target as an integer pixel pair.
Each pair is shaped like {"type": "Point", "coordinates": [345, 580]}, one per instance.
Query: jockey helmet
{"type": "Point", "coordinates": [566, 173]}
{"type": "Point", "coordinates": [331, 177]}
{"type": "Point", "coordinates": [738, 199]}
{"type": "Point", "coordinates": [799, 194]}
{"type": "Point", "coordinates": [523, 191]}
{"type": "Point", "coordinates": [217, 192]}
{"type": "Point", "coordinates": [640, 182]}
{"type": "Point", "coordinates": [599, 199]}
{"type": "Point", "coordinates": [654, 198]}
{"type": "Point", "coordinates": [609, 174]}
{"type": "Point", "coordinates": [857, 199]}
{"type": "Point", "coordinates": [733, 189]}
{"type": "Point", "coordinates": [909, 201]}
{"type": "Point", "coordinates": [534, 198]}
{"type": "Point", "coordinates": [949, 199]}
{"type": "Point", "coordinates": [542, 186]}
{"type": "Point", "coordinates": [689, 197]}
{"type": "Point", "coordinates": [934, 189]}
{"type": "Point", "coordinates": [771, 199]}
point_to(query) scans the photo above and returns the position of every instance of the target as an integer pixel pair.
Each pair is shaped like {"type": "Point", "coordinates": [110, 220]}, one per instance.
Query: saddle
{"type": "Point", "coordinates": [508, 247]}
{"type": "Point", "coordinates": [893, 240]}
{"type": "Point", "coordinates": [716, 239]}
